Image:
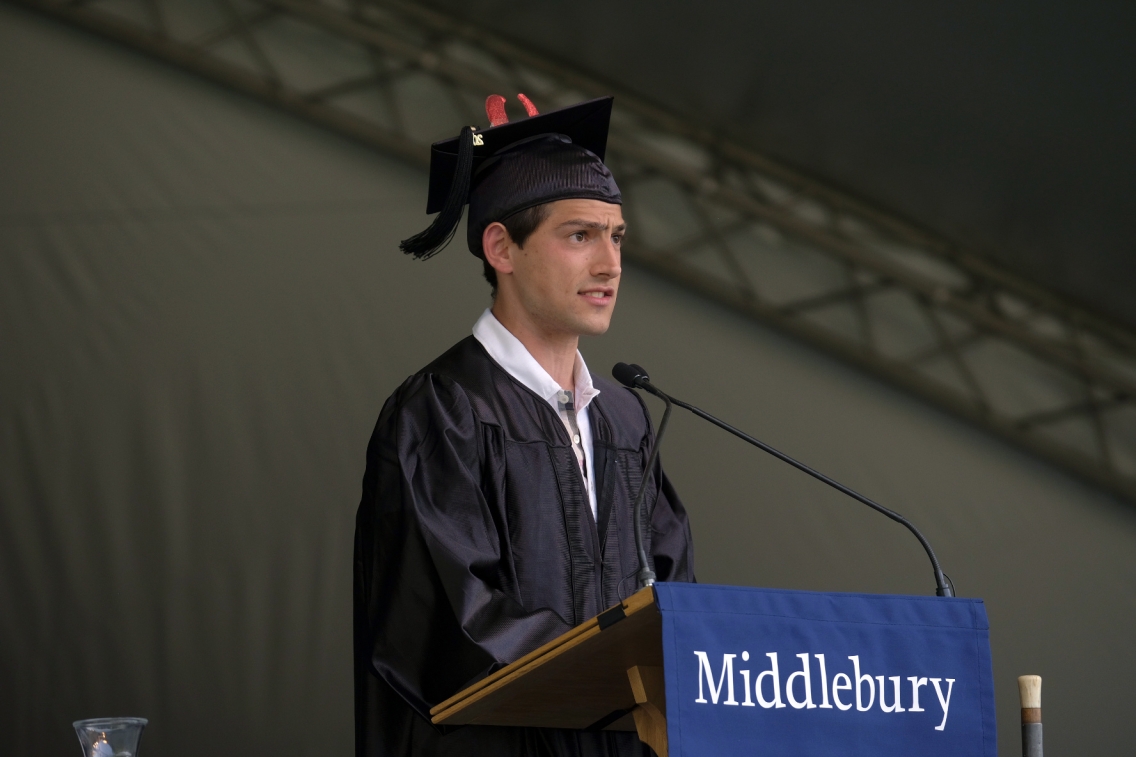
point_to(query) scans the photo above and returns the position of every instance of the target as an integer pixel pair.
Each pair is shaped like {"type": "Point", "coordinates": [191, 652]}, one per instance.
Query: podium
{"type": "Point", "coordinates": [697, 669]}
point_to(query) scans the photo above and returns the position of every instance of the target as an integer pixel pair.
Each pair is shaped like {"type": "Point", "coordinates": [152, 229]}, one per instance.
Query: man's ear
{"type": "Point", "coordinates": [498, 247]}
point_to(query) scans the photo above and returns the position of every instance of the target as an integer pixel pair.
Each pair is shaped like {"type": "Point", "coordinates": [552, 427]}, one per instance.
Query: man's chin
{"type": "Point", "coordinates": [593, 326]}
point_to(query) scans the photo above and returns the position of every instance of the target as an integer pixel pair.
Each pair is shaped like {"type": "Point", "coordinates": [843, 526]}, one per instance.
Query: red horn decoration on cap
{"type": "Point", "coordinates": [495, 109]}
{"type": "Point", "coordinates": [529, 107]}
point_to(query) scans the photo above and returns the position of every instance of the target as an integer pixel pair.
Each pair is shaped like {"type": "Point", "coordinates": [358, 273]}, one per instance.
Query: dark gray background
{"type": "Point", "coordinates": [202, 310]}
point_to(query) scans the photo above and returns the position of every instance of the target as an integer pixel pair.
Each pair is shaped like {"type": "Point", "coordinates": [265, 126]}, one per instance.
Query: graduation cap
{"type": "Point", "coordinates": [513, 166]}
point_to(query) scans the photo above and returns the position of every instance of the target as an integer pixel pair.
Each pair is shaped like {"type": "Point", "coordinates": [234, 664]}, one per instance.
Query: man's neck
{"type": "Point", "coordinates": [556, 353]}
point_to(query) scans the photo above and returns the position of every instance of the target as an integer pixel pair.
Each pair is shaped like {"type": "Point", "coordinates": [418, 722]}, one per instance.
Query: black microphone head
{"type": "Point", "coordinates": [628, 375]}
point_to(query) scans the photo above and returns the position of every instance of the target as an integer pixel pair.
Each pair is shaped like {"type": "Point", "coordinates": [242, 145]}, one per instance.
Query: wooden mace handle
{"type": "Point", "coordinates": [1029, 688]}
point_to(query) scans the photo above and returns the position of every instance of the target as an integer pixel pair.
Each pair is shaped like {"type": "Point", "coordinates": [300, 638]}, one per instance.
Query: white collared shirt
{"type": "Point", "coordinates": [514, 357]}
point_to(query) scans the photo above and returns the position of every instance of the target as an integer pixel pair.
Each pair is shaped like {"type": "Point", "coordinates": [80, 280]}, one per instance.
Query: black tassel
{"type": "Point", "coordinates": [433, 240]}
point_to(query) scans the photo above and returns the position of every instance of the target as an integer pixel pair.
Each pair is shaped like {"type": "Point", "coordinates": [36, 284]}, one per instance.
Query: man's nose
{"type": "Point", "coordinates": [608, 261]}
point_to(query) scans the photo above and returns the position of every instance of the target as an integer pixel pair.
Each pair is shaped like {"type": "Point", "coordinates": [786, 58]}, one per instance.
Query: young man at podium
{"type": "Point", "coordinates": [497, 501]}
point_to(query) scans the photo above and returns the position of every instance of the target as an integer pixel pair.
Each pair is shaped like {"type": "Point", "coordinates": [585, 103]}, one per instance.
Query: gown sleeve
{"type": "Point", "coordinates": [432, 608]}
{"type": "Point", "coordinates": [672, 548]}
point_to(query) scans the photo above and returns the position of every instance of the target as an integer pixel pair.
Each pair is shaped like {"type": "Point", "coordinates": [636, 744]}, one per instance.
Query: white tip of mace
{"type": "Point", "coordinates": [1029, 687]}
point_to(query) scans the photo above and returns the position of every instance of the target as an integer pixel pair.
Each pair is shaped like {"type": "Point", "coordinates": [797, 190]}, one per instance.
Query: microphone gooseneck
{"type": "Point", "coordinates": [633, 376]}
{"type": "Point", "coordinates": [628, 375]}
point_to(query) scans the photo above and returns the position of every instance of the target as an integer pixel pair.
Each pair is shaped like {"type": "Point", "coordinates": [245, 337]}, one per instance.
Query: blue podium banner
{"type": "Point", "coordinates": [805, 674]}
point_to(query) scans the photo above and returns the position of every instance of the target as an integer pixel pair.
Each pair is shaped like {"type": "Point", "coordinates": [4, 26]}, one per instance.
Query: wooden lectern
{"type": "Point", "coordinates": [796, 646]}
{"type": "Point", "coordinates": [605, 674]}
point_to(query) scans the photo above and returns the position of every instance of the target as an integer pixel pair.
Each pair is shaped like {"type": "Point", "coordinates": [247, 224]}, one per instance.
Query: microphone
{"type": "Point", "coordinates": [629, 375]}
{"type": "Point", "coordinates": [635, 377]}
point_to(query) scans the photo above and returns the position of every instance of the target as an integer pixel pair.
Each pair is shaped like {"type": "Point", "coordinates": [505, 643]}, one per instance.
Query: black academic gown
{"type": "Point", "coordinates": [475, 544]}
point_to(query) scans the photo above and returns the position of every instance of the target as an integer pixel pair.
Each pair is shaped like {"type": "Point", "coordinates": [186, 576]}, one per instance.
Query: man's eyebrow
{"type": "Point", "coordinates": [580, 223]}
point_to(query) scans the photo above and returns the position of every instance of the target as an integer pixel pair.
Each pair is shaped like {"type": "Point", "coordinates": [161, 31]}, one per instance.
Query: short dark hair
{"type": "Point", "coordinates": [520, 226]}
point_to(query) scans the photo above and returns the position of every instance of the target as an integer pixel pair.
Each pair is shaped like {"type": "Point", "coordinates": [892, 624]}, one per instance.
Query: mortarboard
{"type": "Point", "coordinates": [512, 166]}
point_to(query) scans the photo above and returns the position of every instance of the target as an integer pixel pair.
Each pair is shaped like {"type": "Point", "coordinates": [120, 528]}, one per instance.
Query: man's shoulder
{"type": "Point", "coordinates": [462, 368]}
{"type": "Point", "coordinates": [468, 377]}
{"type": "Point", "coordinates": [464, 363]}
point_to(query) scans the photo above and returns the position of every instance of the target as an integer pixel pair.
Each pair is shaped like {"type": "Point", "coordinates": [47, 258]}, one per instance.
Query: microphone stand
{"type": "Point", "coordinates": [646, 576]}
{"type": "Point", "coordinates": [640, 379]}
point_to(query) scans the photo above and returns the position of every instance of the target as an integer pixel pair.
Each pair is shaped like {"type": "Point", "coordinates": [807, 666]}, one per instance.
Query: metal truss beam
{"type": "Point", "coordinates": [810, 260]}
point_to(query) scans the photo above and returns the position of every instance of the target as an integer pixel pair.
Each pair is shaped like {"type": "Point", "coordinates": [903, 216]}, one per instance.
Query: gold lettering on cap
{"type": "Point", "coordinates": [478, 140]}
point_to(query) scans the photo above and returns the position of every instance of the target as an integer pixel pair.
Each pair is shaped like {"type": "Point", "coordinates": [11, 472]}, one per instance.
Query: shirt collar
{"type": "Point", "coordinates": [514, 357]}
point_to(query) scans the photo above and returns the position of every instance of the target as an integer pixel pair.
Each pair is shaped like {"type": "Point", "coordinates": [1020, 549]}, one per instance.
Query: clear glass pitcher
{"type": "Point", "coordinates": [110, 737]}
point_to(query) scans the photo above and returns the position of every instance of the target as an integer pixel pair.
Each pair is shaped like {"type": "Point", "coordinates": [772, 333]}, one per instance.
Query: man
{"type": "Point", "coordinates": [497, 501]}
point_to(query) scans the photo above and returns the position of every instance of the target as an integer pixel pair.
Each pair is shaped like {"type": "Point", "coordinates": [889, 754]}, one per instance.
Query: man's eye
{"type": "Point", "coordinates": [616, 239]}
{"type": "Point", "coordinates": [580, 236]}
